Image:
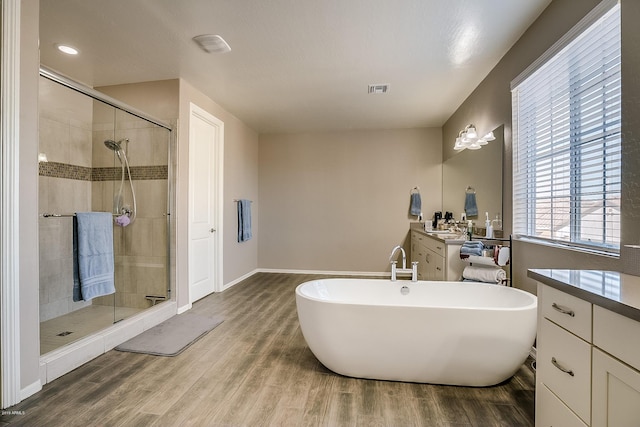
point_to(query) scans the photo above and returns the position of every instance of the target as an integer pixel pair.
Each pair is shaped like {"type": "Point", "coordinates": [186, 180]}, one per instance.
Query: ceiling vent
{"type": "Point", "coordinates": [378, 88]}
{"type": "Point", "coordinates": [212, 43]}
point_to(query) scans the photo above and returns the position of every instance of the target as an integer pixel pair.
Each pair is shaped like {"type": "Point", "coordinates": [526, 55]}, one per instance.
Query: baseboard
{"type": "Point", "coordinates": [184, 308]}
{"type": "Point", "coordinates": [30, 390]}
{"type": "Point", "coordinates": [290, 271]}
{"type": "Point", "coordinates": [328, 273]}
{"type": "Point", "coordinates": [239, 279]}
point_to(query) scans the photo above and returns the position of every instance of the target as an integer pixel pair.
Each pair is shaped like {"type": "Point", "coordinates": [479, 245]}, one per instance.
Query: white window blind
{"type": "Point", "coordinates": [567, 142]}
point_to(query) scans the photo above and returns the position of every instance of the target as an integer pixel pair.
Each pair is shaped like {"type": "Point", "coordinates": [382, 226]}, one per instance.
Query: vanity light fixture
{"type": "Point", "coordinates": [69, 50]}
{"type": "Point", "coordinates": [468, 139]}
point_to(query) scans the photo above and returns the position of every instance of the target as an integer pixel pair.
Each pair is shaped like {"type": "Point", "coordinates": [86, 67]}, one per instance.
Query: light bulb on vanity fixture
{"type": "Point", "coordinates": [468, 139]}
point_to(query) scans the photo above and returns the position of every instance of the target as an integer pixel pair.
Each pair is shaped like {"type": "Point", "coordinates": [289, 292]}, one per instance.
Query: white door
{"type": "Point", "coordinates": [206, 141]}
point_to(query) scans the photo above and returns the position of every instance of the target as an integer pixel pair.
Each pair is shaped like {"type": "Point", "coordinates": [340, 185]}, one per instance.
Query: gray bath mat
{"type": "Point", "coordinates": [172, 336]}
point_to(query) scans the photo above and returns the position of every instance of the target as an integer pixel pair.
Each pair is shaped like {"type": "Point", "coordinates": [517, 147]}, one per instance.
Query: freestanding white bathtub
{"type": "Point", "coordinates": [457, 333]}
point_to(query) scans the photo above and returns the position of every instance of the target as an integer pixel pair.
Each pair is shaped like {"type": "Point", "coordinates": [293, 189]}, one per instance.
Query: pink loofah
{"type": "Point", "coordinates": [122, 220]}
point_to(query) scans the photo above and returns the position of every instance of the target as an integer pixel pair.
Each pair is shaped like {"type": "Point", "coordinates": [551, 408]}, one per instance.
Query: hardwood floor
{"type": "Point", "coordinates": [256, 370]}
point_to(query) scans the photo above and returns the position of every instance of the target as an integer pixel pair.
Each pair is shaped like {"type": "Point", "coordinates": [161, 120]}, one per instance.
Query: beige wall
{"type": "Point", "coordinates": [630, 221]}
{"type": "Point", "coordinates": [240, 181]}
{"type": "Point", "coordinates": [490, 106]}
{"type": "Point", "coordinates": [158, 99]}
{"type": "Point", "coordinates": [339, 201]}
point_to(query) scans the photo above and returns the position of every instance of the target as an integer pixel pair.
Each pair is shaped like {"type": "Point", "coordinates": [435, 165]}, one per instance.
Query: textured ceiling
{"type": "Point", "coordinates": [295, 65]}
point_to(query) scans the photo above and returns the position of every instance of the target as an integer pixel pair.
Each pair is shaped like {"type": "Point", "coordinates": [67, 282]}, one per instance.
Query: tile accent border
{"type": "Point", "coordinates": [82, 173]}
{"type": "Point", "coordinates": [63, 170]}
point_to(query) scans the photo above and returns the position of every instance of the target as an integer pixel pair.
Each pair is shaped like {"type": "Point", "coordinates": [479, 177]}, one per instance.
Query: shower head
{"type": "Point", "coordinates": [112, 145]}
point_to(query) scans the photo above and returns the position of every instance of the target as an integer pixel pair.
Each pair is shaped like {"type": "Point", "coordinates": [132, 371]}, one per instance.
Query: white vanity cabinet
{"type": "Point", "coordinates": [616, 370]}
{"type": "Point", "coordinates": [437, 258]}
{"type": "Point", "coordinates": [588, 362]}
{"type": "Point", "coordinates": [616, 392]}
{"type": "Point", "coordinates": [563, 359]}
{"type": "Point", "coordinates": [419, 253]}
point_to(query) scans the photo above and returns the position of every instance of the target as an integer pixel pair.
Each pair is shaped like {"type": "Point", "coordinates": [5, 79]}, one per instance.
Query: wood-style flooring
{"type": "Point", "coordinates": [256, 370]}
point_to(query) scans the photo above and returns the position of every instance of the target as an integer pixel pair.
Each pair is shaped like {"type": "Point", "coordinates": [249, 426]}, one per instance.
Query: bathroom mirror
{"type": "Point", "coordinates": [482, 171]}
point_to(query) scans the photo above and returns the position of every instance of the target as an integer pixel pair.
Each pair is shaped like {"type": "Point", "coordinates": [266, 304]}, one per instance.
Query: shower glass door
{"type": "Point", "coordinates": [138, 199]}
{"type": "Point", "coordinates": [85, 145]}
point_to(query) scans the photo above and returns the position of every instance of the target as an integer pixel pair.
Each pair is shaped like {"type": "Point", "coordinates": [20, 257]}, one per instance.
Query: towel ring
{"type": "Point", "coordinates": [470, 190]}
{"type": "Point", "coordinates": [415, 189]}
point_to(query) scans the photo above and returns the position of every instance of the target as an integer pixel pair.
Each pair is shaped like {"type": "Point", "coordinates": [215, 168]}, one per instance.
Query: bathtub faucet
{"type": "Point", "coordinates": [404, 270]}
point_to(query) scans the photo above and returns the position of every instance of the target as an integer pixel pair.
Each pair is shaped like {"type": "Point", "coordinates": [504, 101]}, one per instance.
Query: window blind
{"type": "Point", "coordinates": [567, 142]}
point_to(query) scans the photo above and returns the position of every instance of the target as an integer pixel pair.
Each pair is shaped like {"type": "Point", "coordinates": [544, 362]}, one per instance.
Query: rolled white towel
{"type": "Point", "coordinates": [484, 274]}
{"type": "Point", "coordinates": [480, 260]}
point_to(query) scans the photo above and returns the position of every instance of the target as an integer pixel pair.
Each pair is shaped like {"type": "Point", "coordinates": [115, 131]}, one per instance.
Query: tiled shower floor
{"type": "Point", "coordinates": [80, 323]}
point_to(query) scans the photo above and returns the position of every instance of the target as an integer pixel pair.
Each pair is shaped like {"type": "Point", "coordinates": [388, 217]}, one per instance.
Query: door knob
{"type": "Point", "coordinates": [212, 230]}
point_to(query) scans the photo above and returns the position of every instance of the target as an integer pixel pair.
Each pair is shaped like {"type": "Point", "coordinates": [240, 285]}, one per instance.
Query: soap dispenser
{"type": "Point", "coordinates": [488, 227]}
{"type": "Point", "coordinates": [497, 223]}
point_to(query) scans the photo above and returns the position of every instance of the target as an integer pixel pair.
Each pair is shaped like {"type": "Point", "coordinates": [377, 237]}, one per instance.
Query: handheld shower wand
{"type": "Point", "coordinates": [119, 208]}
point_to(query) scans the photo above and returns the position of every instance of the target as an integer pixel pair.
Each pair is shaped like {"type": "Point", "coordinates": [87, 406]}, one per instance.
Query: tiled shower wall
{"type": "Point", "coordinates": [62, 190]}
{"type": "Point", "coordinates": [83, 175]}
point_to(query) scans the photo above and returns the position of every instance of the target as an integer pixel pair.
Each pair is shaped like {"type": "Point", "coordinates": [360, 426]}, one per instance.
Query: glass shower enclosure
{"type": "Point", "coordinates": [94, 156]}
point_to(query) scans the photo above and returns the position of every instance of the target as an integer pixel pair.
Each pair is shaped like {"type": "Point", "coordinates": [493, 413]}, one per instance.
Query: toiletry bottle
{"type": "Point", "coordinates": [497, 223]}
{"type": "Point", "coordinates": [488, 227]}
{"type": "Point", "coordinates": [470, 228]}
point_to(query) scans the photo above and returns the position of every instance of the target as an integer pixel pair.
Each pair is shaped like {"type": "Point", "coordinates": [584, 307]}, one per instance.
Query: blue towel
{"type": "Point", "coordinates": [416, 204]}
{"type": "Point", "coordinates": [472, 248]}
{"type": "Point", "coordinates": [244, 220]}
{"type": "Point", "coordinates": [476, 252]}
{"type": "Point", "coordinates": [470, 206]}
{"type": "Point", "coordinates": [93, 266]}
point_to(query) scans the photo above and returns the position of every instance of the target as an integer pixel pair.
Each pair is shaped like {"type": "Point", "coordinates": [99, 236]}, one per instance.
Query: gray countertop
{"type": "Point", "coordinates": [457, 240]}
{"type": "Point", "coordinates": [448, 238]}
{"type": "Point", "coordinates": [612, 290]}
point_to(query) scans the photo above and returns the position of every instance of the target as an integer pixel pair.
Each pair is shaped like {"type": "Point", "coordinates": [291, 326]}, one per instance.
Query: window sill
{"type": "Point", "coordinates": [569, 247]}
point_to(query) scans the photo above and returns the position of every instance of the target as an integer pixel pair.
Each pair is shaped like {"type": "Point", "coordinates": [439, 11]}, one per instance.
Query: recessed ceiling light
{"type": "Point", "coordinates": [380, 88]}
{"type": "Point", "coordinates": [212, 43]}
{"type": "Point", "coordinates": [69, 50]}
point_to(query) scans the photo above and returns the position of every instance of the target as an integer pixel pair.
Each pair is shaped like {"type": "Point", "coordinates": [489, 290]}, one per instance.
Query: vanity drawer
{"type": "Point", "coordinates": [435, 245]}
{"type": "Point", "coordinates": [555, 413]}
{"type": "Point", "coordinates": [570, 312]}
{"type": "Point", "coordinates": [564, 366]}
{"type": "Point", "coordinates": [623, 342]}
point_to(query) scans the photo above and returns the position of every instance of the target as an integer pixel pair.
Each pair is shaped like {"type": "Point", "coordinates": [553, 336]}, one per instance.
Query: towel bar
{"type": "Point", "coordinates": [55, 215]}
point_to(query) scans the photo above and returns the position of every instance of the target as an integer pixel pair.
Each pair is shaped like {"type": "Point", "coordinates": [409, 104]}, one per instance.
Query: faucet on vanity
{"type": "Point", "coordinates": [404, 269]}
